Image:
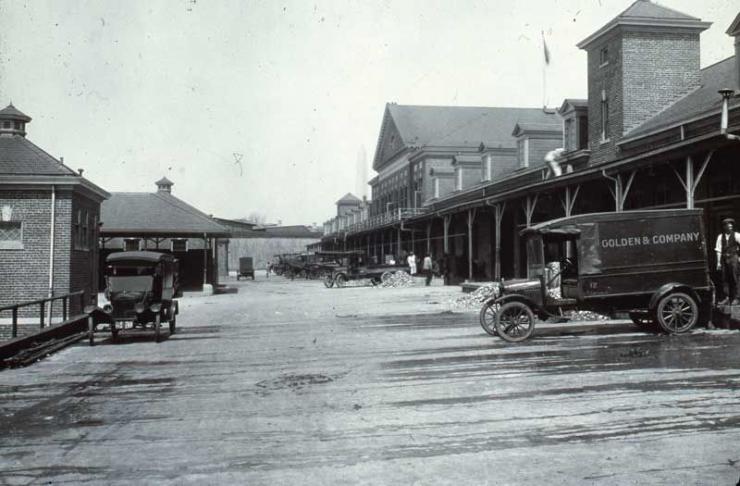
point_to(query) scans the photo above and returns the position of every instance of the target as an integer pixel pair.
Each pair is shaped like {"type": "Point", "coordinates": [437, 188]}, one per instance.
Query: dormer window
{"type": "Point", "coordinates": [6, 124]}
{"type": "Point", "coordinates": [604, 56]}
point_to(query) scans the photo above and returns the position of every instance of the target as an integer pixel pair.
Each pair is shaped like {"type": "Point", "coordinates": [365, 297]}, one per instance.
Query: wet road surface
{"type": "Point", "coordinates": [292, 383]}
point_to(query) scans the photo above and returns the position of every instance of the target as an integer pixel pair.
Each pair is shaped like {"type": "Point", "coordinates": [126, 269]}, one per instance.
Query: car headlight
{"type": "Point", "coordinates": [108, 308]}
{"type": "Point", "coordinates": [139, 307]}
{"type": "Point", "coordinates": [155, 307]}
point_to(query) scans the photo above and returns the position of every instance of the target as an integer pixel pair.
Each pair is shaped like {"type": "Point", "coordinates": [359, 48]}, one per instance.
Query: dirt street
{"type": "Point", "coordinates": [292, 383]}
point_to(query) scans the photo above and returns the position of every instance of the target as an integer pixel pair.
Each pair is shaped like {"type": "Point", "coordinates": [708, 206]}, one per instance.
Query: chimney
{"type": "Point", "coordinates": [81, 171]}
{"type": "Point", "coordinates": [734, 31]}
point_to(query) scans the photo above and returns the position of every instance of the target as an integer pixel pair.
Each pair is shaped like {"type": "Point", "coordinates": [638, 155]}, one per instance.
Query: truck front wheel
{"type": "Point", "coordinates": [677, 312]}
{"type": "Point", "coordinates": [514, 321]}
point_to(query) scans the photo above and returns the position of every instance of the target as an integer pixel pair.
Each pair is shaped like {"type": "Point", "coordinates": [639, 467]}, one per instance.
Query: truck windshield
{"type": "Point", "coordinates": [138, 283]}
{"type": "Point", "coordinates": [535, 262]}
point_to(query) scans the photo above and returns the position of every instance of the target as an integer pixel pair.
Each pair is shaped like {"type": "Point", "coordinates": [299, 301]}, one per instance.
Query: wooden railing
{"type": "Point", "coordinates": [42, 303]}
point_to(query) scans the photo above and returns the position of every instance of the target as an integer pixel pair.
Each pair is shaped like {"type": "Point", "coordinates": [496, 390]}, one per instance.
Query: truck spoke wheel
{"type": "Point", "coordinates": [487, 317]}
{"type": "Point", "coordinates": [341, 280]}
{"type": "Point", "coordinates": [514, 321]}
{"type": "Point", "coordinates": [677, 313]}
{"type": "Point", "coordinates": [329, 281]}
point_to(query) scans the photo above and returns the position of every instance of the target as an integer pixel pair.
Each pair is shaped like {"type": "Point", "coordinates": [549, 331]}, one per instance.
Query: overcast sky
{"type": "Point", "coordinates": [134, 90]}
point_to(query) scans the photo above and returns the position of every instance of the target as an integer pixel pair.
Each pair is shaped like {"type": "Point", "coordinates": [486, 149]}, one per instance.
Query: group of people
{"type": "Point", "coordinates": [427, 267]}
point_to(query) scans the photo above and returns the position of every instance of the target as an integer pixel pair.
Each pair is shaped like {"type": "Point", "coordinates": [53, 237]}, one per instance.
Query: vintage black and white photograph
{"type": "Point", "coordinates": [369, 242]}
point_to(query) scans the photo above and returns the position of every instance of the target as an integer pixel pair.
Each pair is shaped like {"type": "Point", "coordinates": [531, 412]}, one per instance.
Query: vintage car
{"type": "Point", "coordinates": [353, 265]}
{"type": "Point", "coordinates": [141, 288]}
{"type": "Point", "coordinates": [650, 264]}
{"type": "Point", "coordinates": [246, 268]}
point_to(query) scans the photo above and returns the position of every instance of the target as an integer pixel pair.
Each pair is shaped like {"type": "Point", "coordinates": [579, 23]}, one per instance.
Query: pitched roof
{"type": "Point", "coordinates": [160, 213]}
{"type": "Point", "coordinates": [296, 231]}
{"type": "Point", "coordinates": [645, 13]}
{"type": "Point", "coordinates": [164, 182]}
{"type": "Point", "coordinates": [734, 28]}
{"type": "Point", "coordinates": [349, 198]}
{"type": "Point", "coordinates": [457, 126]}
{"type": "Point", "coordinates": [523, 127]}
{"type": "Point", "coordinates": [574, 103]}
{"type": "Point", "coordinates": [19, 156]}
{"type": "Point", "coordinates": [702, 100]}
{"type": "Point", "coordinates": [12, 113]}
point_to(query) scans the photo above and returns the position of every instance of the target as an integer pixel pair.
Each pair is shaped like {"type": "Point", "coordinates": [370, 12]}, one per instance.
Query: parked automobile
{"type": "Point", "coordinates": [649, 264]}
{"type": "Point", "coordinates": [141, 289]}
{"type": "Point", "coordinates": [246, 268]}
{"type": "Point", "coordinates": [353, 265]}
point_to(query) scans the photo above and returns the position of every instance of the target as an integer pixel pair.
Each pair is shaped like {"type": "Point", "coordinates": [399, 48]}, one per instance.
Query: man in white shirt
{"type": "Point", "coordinates": [411, 260]}
{"type": "Point", "coordinates": [727, 249]}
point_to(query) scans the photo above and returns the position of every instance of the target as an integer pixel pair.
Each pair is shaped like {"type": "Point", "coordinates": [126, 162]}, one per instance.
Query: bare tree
{"type": "Point", "coordinates": [256, 217]}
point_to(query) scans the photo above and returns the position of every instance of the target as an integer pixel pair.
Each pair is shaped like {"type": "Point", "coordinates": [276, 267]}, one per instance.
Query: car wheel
{"type": "Point", "coordinates": [385, 276]}
{"type": "Point", "coordinates": [514, 322]}
{"type": "Point", "coordinates": [487, 317]}
{"type": "Point", "coordinates": [340, 280]}
{"type": "Point", "coordinates": [329, 281]}
{"type": "Point", "coordinates": [677, 312]}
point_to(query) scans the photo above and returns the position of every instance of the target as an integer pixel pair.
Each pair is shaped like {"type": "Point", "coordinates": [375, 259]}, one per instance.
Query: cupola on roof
{"type": "Point", "coordinates": [164, 185]}
{"type": "Point", "coordinates": [13, 121]}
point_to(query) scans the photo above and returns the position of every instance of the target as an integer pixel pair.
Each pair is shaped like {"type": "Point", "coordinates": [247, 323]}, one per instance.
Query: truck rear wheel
{"type": "Point", "coordinates": [514, 322]}
{"type": "Point", "coordinates": [341, 280]}
{"type": "Point", "coordinates": [487, 317]}
{"type": "Point", "coordinates": [329, 281]}
{"type": "Point", "coordinates": [677, 312]}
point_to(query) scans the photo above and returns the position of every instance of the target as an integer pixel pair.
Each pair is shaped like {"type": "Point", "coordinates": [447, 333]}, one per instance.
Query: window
{"type": "Point", "coordinates": [180, 244]}
{"type": "Point", "coordinates": [76, 228]}
{"type": "Point", "coordinates": [523, 152]}
{"type": "Point", "coordinates": [85, 235]}
{"type": "Point", "coordinates": [568, 134]}
{"type": "Point", "coordinates": [6, 124]}
{"type": "Point", "coordinates": [17, 125]}
{"type": "Point", "coordinates": [11, 235]}
{"type": "Point", "coordinates": [604, 116]}
{"type": "Point", "coordinates": [131, 244]}
{"type": "Point", "coordinates": [604, 56]}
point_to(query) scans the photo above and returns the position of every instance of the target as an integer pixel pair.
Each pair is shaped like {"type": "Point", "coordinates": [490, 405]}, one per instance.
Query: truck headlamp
{"type": "Point", "coordinates": [139, 307]}
{"type": "Point", "coordinates": [155, 307]}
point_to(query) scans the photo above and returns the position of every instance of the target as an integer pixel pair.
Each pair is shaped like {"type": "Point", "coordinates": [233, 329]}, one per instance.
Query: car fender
{"type": "Point", "coordinates": [666, 289]}
{"type": "Point", "coordinates": [516, 298]}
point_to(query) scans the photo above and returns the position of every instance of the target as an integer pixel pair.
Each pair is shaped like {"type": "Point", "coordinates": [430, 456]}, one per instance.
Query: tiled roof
{"type": "Point", "coordinates": [704, 99]}
{"type": "Point", "coordinates": [155, 213]}
{"type": "Point", "coordinates": [19, 156]}
{"type": "Point", "coordinates": [462, 126]}
{"type": "Point", "coordinates": [648, 9]}
{"type": "Point", "coordinates": [648, 14]}
{"type": "Point", "coordinates": [349, 198]}
{"type": "Point", "coordinates": [13, 113]}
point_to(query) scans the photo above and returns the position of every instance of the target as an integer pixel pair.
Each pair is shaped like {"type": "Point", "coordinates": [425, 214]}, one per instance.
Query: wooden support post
{"type": "Point", "coordinates": [530, 203]}
{"type": "Point", "coordinates": [471, 221]}
{"type": "Point", "coordinates": [621, 190]}
{"type": "Point", "coordinates": [498, 216]}
{"type": "Point", "coordinates": [382, 246]}
{"type": "Point", "coordinates": [205, 259]}
{"type": "Point", "coordinates": [429, 237]}
{"type": "Point", "coordinates": [569, 200]}
{"type": "Point", "coordinates": [398, 246]}
{"type": "Point", "coordinates": [446, 241]}
{"type": "Point", "coordinates": [691, 181]}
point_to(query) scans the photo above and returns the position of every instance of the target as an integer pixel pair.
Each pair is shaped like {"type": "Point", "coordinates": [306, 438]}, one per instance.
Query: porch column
{"type": "Point", "coordinates": [691, 181]}
{"type": "Point", "coordinates": [621, 189]}
{"type": "Point", "coordinates": [471, 220]}
{"type": "Point", "coordinates": [446, 241]}
{"type": "Point", "coordinates": [569, 200]}
{"type": "Point", "coordinates": [398, 247]}
{"type": "Point", "coordinates": [530, 203]}
{"type": "Point", "coordinates": [498, 216]}
{"type": "Point", "coordinates": [382, 246]}
{"type": "Point", "coordinates": [205, 262]}
{"type": "Point", "coordinates": [429, 237]}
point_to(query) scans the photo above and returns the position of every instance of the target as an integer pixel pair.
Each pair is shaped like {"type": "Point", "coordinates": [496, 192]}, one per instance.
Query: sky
{"type": "Point", "coordinates": [267, 106]}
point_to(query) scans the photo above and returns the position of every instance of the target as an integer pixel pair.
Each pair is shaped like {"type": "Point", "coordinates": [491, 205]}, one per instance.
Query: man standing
{"type": "Point", "coordinates": [411, 260]}
{"type": "Point", "coordinates": [427, 268]}
{"type": "Point", "coordinates": [727, 249]}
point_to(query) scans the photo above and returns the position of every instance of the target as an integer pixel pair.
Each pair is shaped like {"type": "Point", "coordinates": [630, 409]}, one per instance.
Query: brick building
{"type": "Point", "coordinates": [49, 217]}
{"type": "Point", "coordinates": [648, 135]}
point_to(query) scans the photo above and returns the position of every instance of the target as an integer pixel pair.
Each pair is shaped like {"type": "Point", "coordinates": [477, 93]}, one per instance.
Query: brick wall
{"type": "Point", "coordinates": [24, 273]}
{"type": "Point", "coordinates": [658, 70]}
{"type": "Point", "coordinates": [646, 72]}
{"type": "Point", "coordinates": [609, 78]}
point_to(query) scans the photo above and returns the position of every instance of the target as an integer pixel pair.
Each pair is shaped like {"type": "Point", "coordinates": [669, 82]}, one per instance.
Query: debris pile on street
{"type": "Point", "coordinates": [399, 279]}
{"type": "Point", "coordinates": [474, 300]}
{"type": "Point", "coordinates": [585, 316]}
